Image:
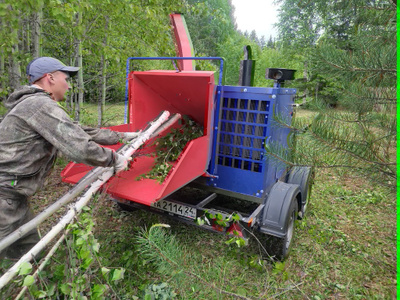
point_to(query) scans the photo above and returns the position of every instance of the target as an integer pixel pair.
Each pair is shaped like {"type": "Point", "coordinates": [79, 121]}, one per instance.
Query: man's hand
{"type": "Point", "coordinates": [121, 163]}
{"type": "Point", "coordinates": [129, 136]}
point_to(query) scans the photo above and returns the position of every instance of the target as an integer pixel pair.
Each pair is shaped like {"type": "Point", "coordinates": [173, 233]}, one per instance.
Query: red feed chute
{"type": "Point", "coordinates": [183, 43]}
{"type": "Point", "coordinates": [188, 93]}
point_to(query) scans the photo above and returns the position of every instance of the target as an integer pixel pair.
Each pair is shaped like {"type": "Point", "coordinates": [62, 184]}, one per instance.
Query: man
{"type": "Point", "coordinates": [33, 130]}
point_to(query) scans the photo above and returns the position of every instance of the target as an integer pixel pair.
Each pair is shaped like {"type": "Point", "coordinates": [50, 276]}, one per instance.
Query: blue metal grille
{"type": "Point", "coordinates": [243, 125]}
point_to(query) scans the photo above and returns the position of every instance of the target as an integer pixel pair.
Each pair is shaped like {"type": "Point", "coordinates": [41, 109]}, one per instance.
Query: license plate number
{"type": "Point", "coordinates": [176, 208]}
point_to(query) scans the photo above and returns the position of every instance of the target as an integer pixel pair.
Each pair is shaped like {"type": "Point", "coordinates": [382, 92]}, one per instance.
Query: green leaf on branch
{"type": "Point", "coordinates": [105, 271]}
{"type": "Point", "coordinates": [98, 291]}
{"type": "Point", "coordinates": [235, 217]}
{"type": "Point", "coordinates": [200, 221]}
{"type": "Point", "coordinates": [240, 242]}
{"type": "Point", "coordinates": [65, 288]}
{"type": "Point", "coordinates": [29, 280]}
{"type": "Point", "coordinates": [25, 268]}
{"type": "Point", "coordinates": [218, 216]}
{"type": "Point", "coordinates": [118, 274]}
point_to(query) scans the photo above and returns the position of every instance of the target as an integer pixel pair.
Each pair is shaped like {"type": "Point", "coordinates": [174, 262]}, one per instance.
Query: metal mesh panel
{"type": "Point", "coordinates": [243, 128]}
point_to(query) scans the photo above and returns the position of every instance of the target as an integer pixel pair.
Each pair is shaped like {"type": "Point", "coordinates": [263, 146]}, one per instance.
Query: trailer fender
{"type": "Point", "coordinates": [276, 210]}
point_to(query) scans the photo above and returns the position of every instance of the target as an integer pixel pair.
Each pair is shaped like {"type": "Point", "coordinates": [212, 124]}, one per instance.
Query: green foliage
{"type": "Point", "coordinates": [25, 268]}
{"type": "Point", "coordinates": [116, 32]}
{"type": "Point", "coordinates": [282, 58]}
{"type": "Point", "coordinates": [222, 223]}
{"type": "Point", "coordinates": [212, 28]}
{"type": "Point", "coordinates": [170, 147]}
{"type": "Point", "coordinates": [358, 75]}
{"type": "Point", "coordinates": [173, 262]}
{"type": "Point", "coordinates": [159, 291]}
{"type": "Point", "coordinates": [81, 276]}
{"type": "Point", "coordinates": [209, 23]}
{"type": "Point", "coordinates": [279, 269]}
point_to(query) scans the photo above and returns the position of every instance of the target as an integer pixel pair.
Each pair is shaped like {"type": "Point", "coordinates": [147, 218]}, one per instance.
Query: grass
{"type": "Point", "coordinates": [345, 248]}
{"type": "Point", "coordinates": [113, 114]}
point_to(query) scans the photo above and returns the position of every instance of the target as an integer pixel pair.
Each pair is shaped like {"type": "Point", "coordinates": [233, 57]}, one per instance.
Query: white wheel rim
{"type": "Point", "coordinates": [290, 231]}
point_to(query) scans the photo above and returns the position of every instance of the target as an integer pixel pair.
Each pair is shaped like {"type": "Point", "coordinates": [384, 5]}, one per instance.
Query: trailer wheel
{"type": "Point", "coordinates": [304, 177]}
{"type": "Point", "coordinates": [279, 248]}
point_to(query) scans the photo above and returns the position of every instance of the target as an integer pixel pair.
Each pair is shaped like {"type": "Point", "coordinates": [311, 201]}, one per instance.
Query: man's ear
{"type": "Point", "coordinates": [50, 78]}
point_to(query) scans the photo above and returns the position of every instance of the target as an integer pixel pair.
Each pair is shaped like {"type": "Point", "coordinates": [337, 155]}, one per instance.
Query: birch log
{"type": "Point", "coordinates": [92, 176]}
{"type": "Point", "coordinates": [95, 186]}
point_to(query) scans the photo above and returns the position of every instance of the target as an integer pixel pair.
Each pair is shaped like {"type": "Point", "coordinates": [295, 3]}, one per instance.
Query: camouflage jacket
{"type": "Point", "coordinates": [32, 131]}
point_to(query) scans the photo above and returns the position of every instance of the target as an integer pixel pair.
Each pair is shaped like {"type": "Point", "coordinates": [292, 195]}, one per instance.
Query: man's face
{"type": "Point", "coordinates": [60, 85]}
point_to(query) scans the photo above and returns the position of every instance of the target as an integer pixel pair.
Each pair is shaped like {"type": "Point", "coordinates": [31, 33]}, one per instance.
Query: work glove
{"type": "Point", "coordinates": [129, 136]}
{"type": "Point", "coordinates": [121, 163]}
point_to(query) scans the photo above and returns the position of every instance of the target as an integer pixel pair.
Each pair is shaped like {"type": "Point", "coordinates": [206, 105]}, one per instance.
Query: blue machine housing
{"type": "Point", "coordinates": [243, 124]}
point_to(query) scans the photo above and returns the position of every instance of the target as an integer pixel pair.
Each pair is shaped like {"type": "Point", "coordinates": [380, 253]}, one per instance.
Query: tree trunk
{"type": "Point", "coordinates": [80, 75]}
{"type": "Point", "coordinates": [15, 68]}
{"type": "Point", "coordinates": [70, 102]}
{"type": "Point", "coordinates": [76, 107]}
{"type": "Point", "coordinates": [25, 35]}
{"type": "Point", "coordinates": [36, 33]}
{"type": "Point", "coordinates": [78, 55]}
{"type": "Point", "coordinates": [94, 180]}
{"type": "Point", "coordinates": [305, 82]}
{"type": "Point", "coordinates": [102, 100]}
{"type": "Point", "coordinates": [2, 77]}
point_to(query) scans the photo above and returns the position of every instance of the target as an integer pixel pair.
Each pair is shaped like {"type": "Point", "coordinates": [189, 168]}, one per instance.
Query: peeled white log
{"type": "Point", "coordinates": [79, 187]}
{"type": "Point", "coordinates": [57, 228]}
{"type": "Point", "coordinates": [104, 177]}
{"type": "Point", "coordinates": [166, 125]}
{"type": "Point", "coordinates": [68, 197]}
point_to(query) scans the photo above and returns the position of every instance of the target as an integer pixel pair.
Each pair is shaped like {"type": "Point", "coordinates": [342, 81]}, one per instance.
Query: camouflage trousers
{"type": "Point", "coordinates": [14, 212]}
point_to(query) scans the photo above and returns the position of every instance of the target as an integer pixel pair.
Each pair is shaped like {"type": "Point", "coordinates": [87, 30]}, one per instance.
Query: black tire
{"type": "Point", "coordinates": [279, 248]}
{"type": "Point", "coordinates": [304, 177]}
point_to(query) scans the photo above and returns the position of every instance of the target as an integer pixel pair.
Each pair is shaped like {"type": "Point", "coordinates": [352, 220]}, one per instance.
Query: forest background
{"type": "Point", "coordinates": [344, 53]}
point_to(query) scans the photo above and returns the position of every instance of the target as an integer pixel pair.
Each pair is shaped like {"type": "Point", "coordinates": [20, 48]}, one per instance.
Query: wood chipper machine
{"type": "Point", "coordinates": [223, 180]}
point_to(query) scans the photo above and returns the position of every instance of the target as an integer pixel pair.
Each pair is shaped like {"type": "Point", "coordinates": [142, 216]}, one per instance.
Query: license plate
{"type": "Point", "coordinates": [175, 208]}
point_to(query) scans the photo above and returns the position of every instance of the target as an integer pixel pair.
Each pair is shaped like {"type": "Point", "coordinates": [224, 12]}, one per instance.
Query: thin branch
{"type": "Point", "coordinates": [44, 262]}
{"type": "Point", "coordinates": [331, 145]}
{"type": "Point", "coordinates": [287, 290]}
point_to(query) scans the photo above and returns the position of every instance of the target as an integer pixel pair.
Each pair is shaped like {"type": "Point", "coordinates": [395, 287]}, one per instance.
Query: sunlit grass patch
{"type": "Point", "coordinates": [114, 114]}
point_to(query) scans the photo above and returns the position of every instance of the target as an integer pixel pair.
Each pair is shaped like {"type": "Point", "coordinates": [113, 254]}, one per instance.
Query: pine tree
{"type": "Point", "coordinates": [271, 43]}
{"type": "Point", "coordinates": [360, 134]}
{"type": "Point", "coordinates": [263, 43]}
{"type": "Point", "coordinates": [253, 37]}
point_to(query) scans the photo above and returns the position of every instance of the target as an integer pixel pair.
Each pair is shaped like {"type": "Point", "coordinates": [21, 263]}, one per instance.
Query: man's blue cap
{"type": "Point", "coordinates": [40, 66]}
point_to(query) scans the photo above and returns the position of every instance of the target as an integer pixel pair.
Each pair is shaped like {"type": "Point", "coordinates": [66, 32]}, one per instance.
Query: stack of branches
{"type": "Point", "coordinates": [169, 147]}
